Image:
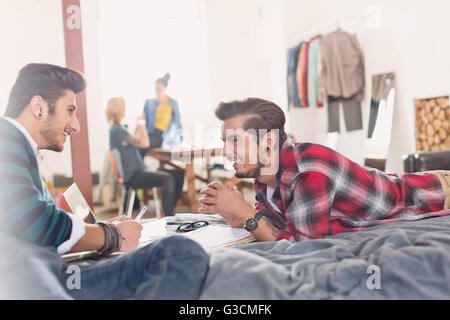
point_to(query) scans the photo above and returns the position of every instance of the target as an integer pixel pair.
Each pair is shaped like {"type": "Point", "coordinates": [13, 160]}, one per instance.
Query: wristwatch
{"type": "Point", "coordinates": [252, 223]}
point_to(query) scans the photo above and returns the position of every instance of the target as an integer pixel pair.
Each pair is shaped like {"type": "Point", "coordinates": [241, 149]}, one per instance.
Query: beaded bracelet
{"type": "Point", "coordinates": [113, 239]}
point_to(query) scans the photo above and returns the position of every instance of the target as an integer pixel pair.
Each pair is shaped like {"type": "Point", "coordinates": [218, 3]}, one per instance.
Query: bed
{"type": "Point", "coordinates": [404, 260]}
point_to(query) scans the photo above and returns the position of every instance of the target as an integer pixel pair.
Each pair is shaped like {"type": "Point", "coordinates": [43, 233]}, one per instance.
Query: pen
{"type": "Point", "coordinates": [140, 214]}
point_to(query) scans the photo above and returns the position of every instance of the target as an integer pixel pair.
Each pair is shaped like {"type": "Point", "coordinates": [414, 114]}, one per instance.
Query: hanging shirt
{"type": "Point", "coordinates": [313, 73]}
{"type": "Point", "coordinates": [302, 74]}
{"type": "Point", "coordinates": [163, 116]}
{"type": "Point", "coordinates": [342, 66]}
{"type": "Point", "coordinates": [292, 86]}
{"type": "Point", "coordinates": [300, 83]}
{"type": "Point", "coordinates": [304, 71]}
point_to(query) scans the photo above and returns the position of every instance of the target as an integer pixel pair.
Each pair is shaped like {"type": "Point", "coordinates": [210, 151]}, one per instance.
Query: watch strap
{"type": "Point", "coordinates": [252, 223]}
{"type": "Point", "coordinates": [258, 216]}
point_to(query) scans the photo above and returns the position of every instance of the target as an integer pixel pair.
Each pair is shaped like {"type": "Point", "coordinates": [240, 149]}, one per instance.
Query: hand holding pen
{"type": "Point", "coordinates": [140, 214]}
{"type": "Point", "coordinates": [126, 218]}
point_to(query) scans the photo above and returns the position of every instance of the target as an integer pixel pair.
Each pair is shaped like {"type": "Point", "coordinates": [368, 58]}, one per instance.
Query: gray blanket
{"type": "Point", "coordinates": [405, 260]}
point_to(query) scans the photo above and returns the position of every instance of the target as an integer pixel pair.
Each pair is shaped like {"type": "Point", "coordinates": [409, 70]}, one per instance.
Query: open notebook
{"type": "Point", "coordinates": [151, 231]}
{"type": "Point", "coordinates": [210, 237]}
{"type": "Point", "coordinates": [79, 206]}
{"type": "Point", "coordinates": [218, 236]}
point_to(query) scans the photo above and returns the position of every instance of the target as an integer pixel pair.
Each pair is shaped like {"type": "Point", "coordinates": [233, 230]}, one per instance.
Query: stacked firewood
{"type": "Point", "coordinates": [432, 124]}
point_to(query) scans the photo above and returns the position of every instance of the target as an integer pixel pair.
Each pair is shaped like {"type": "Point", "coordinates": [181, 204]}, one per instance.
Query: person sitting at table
{"type": "Point", "coordinates": [136, 174]}
{"type": "Point", "coordinates": [162, 118]}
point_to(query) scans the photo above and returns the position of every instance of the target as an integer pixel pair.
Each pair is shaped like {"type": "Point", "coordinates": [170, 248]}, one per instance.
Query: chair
{"type": "Point", "coordinates": [128, 197]}
{"type": "Point", "coordinates": [107, 177]}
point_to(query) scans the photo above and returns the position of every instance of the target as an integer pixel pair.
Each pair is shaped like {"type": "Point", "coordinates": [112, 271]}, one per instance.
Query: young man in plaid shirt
{"type": "Point", "coordinates": [306, 190]}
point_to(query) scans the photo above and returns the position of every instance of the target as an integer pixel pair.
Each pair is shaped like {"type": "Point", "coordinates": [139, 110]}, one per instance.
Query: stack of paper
{"type": "Point", "coordinates": [209, 237]}
{"type": "Point", "coordinates": [216, 236]}
{"type": "Point", "coordinates": [153, 230]}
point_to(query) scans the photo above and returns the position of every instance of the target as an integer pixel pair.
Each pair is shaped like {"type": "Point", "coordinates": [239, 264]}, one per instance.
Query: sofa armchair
{"type": "Point", "coordinates": [426, 161]}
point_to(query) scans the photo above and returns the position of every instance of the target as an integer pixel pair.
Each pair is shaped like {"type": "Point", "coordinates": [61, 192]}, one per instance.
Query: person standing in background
{"type": "Point", "coordinates": [162, 118]}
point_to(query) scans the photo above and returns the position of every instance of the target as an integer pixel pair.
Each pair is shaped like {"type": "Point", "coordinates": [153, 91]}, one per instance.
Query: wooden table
{"type": "Point", "coordinates": [187, 156]}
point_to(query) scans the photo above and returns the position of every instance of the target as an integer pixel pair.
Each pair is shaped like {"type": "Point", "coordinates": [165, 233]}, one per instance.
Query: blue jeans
{"type": "Point", "coordinates": [172, 268]}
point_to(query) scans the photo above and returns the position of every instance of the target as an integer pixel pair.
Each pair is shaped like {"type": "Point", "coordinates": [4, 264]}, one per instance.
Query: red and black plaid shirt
{"type": "Point", "coordinates": [320, 192]}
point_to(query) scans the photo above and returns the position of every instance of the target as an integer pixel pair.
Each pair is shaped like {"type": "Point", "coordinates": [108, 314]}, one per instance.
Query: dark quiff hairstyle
{"type": "Point", "coordinates": [45, 80]}
{"type": "Point", "coordinates": [262, 114]}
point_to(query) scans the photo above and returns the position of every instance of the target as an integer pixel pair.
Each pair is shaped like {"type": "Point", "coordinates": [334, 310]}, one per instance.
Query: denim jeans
{"type": "Point", "coordinates": [171, 268]}
{"type": "Point", "coordinates": [29, 271]}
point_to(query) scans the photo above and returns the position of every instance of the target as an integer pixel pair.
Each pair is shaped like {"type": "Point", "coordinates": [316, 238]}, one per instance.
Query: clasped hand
{"type": "Point", "coordinates": [229, 203]}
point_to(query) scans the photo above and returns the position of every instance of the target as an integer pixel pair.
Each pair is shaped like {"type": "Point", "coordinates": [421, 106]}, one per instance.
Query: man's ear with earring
{"type": "Point", "coordinates": [37, 106]}
{"type": "Point", "coordinates": [265, 158]}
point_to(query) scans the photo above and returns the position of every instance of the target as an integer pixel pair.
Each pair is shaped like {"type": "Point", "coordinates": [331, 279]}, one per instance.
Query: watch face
{"type": "Point", "coordinates": [251, 224]}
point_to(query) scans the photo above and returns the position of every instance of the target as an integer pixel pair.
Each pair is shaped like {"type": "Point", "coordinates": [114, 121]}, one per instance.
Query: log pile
{"type": "Point", "coordinates": [432, 125]}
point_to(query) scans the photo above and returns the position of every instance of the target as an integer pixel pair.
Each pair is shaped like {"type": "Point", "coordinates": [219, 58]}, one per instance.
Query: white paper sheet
{"type": "Point", "coordinates": [213, 236]}
{"type": "Point", "coordinates": [153, 230]}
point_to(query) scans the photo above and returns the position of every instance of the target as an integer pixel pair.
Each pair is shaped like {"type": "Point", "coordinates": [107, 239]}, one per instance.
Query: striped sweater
{"type": "Point", "coordinates": [27, 210]}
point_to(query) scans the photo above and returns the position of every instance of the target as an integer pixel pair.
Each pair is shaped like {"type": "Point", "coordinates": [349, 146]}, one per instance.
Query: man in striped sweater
{"type": "Point", "coordinates": [41, 114]}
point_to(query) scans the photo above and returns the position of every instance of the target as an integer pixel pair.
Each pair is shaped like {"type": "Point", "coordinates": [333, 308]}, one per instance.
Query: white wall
{"type": "Point", "coordinates": [32, 32]}
{"type": "Point", "coordinates": [412, 42]}
{"type": "Point", "coordinates": [140, 41]}
{"type": "Point", "coordinates": [246, 50]}
{"type": "Point", "coordinates": [246, 45]}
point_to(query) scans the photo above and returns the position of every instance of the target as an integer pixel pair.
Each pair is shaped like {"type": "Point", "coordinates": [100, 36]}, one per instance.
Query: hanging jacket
{"type": "Point", "coordinates": [173, 136]}
{"type": "Point", "coordinates": [342, 61]}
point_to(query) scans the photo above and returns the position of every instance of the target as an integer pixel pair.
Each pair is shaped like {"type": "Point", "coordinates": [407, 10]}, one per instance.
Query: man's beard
{"type": "Point", "coordinates": [48, 133]}
{"type": "Point", "coordinates": [251, 173]}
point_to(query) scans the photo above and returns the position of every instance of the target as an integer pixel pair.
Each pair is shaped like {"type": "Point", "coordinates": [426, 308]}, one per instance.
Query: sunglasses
{"type": "Point", "coordinates": [186, 227]}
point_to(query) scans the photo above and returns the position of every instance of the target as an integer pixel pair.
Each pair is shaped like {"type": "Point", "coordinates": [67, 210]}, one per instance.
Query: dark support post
{"type": "Point", "coordinates": [81, 167]}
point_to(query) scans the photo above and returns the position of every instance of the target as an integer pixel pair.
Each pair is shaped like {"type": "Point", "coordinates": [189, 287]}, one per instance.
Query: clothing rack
{"type": "Point", "coordinates": [370, 20]}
